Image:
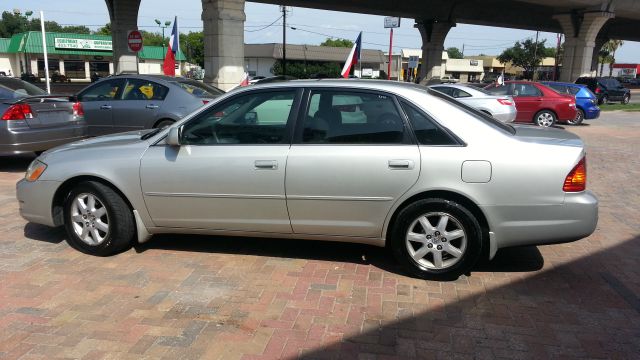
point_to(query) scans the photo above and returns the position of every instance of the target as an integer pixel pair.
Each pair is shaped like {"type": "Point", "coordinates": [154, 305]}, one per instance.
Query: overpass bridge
{"type": "Point", "coordinates": [586, 24]}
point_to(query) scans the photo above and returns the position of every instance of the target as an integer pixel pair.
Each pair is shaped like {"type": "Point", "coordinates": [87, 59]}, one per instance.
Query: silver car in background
{"type": "Point", "coordinates": [135, 102]}
{"type": "Point", "coordinates": [32, 120]}
{"type": "Point", "coordinates": [501, 107]}
{"type": "Point", "coordinates": [377, 162]}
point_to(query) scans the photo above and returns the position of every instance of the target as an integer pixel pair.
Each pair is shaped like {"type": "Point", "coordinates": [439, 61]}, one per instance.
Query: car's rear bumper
{"type": "Point", "coordinates": [591, 113]}
{"type": "Point", "coordinates": [506, 117]}
{"type": "Point", "coordinates": [35, 200]}
{"type": "Point", "coordinates": [518, 225]}
{"type": "Point", "coordinates": [27, 139]}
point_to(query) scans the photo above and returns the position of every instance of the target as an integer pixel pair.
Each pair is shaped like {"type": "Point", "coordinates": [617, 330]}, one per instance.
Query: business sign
{"type": "Point", "coordinates": [473, 62]}
{"type": "Point", "coordinates": [134, 40]}
{"type": "Point", "coordinates": [413, 61]}
{"type": "Point", "coordinates": [391, 22]}
{"type": "Point", "coordinates": [367, 72]}
{"type": "Point", "coordinates": [82, 44]}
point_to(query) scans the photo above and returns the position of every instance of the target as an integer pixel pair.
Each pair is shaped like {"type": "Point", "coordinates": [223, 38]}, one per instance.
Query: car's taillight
{"type": "Point", "coordinates": [205, 102]}
{"type": "Point", "coordinates": [78, 110]}
{"type": "Point", "coordinates": [505, 102]}
{"type": "Point", "coordinates": [18, 112]}
{"type": "Point", "coordinates": [598, 91]}
{"type": "Point", "coordinates": [577, 178]}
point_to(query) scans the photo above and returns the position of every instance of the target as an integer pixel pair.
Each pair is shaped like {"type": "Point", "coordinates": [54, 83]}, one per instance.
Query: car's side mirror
{"type": "Point", "coordinates": [173, 138]}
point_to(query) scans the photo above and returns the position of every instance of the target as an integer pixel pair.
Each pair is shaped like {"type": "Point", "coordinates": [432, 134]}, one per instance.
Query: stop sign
{"type": "Point", "coordinates": [134, 40]}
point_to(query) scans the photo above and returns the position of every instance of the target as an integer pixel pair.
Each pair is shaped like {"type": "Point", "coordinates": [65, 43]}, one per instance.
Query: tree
{"type": "Point", "coordinates": [105, 30]}
{"type": "Point", "coordinates": [193, 46]}
{"type": "Point", "coordinates": [526, 54]}
{"type": "Point", "coordinates": [611, 46]}
{"type": "Point", "coordinates": [454, 53]}
{"type": "Point", "coordinates": [13, 23]}
{"type": "Point", "coordinates": [307, 69]}
{"type": "Point", "coordinates": [337, 43]}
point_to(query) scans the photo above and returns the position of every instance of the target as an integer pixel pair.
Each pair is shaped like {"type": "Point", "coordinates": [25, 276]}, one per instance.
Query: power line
{"type": "Point", "coordinates": [265, 26]}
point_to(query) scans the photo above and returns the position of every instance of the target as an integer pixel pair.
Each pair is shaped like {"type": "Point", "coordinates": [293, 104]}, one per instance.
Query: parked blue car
{"type": "Point", "coordinates": [586, 101]}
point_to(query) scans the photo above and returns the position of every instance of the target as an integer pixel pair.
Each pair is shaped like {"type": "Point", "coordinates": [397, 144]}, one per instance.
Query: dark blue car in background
{"type": "Point", "coordinates": [586, 101]}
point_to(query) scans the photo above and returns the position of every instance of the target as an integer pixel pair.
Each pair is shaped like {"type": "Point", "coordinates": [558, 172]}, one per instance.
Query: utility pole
{"type": "Point", "coordinates": [556, 68]}
{"type": "Point", "coordinates": [535, 57]}
{"type": "Point", "coordinates": [463, 50]}
{"type": "Point", "coordinates": [44, 50]}
{"type": "Point", "coordinates": [284, 39]}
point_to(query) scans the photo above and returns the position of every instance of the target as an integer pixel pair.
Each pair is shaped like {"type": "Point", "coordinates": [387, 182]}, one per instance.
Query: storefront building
{"type": "Point", "coordinates": [630, 71]}
{"type": "Point", "coordinates": [76, 56]}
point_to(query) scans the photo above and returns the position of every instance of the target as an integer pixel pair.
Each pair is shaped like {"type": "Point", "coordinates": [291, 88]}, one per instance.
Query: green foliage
{"type": "Point", "coordinates": [454, 53]}
{"type": "Point", "coordinates": [13, 23]}
{"type": "Point", "coordinates": [526, 54]}
{"type": "Point", "coordinates": [309, 69]}
{"type": "Point", "coordinates": [337, 43]}
{"type": "Point", "coordinates": [105, 30]}
{"type": "Point", "coordinates": [192, 44]}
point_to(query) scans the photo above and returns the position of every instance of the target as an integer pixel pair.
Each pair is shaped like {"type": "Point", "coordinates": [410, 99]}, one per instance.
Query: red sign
{"type": "Point", "coordinates": [134, 40]}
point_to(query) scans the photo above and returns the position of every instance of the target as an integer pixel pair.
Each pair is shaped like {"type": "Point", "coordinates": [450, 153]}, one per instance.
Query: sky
{"type": "Point", "coordinates": [311, 26]}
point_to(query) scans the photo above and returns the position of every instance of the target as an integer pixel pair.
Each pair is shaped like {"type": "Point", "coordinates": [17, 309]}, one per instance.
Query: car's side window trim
{"type": "Point", "coordinates": [291, 120]}
{"type": "Point", "coordinates": [407, 140]}
{"type": "Point", "coordinates": [116, 96]}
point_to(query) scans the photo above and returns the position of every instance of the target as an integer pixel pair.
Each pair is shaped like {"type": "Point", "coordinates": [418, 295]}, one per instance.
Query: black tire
{"type": "Point", "coordinates": [121, 225]}
{"type": "Point", "coordinates": [545, 118]}
{"type": "Point", "coordinates": [424, 268]}
{"type": "Point", "coordinates": [163, 124]}
{"type": "Point", "coordinates": [625, 99]}
{"type": "Point", "coordinates": [578, 119]}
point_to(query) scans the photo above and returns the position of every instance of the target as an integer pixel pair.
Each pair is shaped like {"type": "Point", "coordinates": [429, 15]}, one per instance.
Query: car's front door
{"type": "Point", "coordinates": [528, 100]}
{"type": "Point", "coordinates": [229, 172]}
{"type": "Point", "coordinates": [139, 106]}
{"type": "Point", "coordinates": [98, 101]}
{"type": "Point", "coordinates": [352, 159]}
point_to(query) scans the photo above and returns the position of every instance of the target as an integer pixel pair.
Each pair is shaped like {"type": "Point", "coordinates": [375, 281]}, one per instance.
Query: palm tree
{"type": "Point", "coordinates": [611, 46]}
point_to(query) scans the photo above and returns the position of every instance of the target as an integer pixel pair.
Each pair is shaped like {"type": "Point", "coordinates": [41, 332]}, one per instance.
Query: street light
{"type": "Point", "coordinates": [166, 24]}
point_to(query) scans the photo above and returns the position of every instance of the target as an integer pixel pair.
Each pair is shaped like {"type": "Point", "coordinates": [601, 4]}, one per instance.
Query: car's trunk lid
{"type": "Point", "coordinates": [549, 135]}
{"type": "Point", "coordinates": [48, 111]}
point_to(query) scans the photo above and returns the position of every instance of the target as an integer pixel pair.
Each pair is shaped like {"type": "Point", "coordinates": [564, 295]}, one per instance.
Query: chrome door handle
{"type": "Point", "coordinates": [400, 164]}
{"type": "Point", "coordinates": [105, 107]}
{"type": "Point", "coordinates": [266, 164]}
{"type": "Point", "coordinates": [151, 106]}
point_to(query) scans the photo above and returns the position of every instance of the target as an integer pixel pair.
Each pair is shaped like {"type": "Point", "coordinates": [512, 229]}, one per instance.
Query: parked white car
{"type": "Point", "coordinates": [501, 107]}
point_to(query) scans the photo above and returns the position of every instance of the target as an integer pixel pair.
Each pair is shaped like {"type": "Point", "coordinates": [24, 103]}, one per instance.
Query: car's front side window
{"type": "Point", "coordinates": [352, 117]}
{"type": "Point", "coordinates": [140, 89]}
{"type": "Point", "coordinates": [257, 118]}
{"type": "Point", "coordinates": [104, 90]}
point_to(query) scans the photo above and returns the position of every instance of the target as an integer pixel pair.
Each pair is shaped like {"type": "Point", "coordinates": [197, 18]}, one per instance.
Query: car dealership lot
{"type": "Point", "coordinates": [202, 297]}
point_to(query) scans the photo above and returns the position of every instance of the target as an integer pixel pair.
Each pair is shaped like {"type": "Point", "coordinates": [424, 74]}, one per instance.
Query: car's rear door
{"type": "Point", "coordinates": [344, 172]}
{"type": "Point", "coordinates": [98, 101]}
{"type": "Point", "coordinates": [229, 172]}
{"type": "Point", "coordinates": [139, 105]}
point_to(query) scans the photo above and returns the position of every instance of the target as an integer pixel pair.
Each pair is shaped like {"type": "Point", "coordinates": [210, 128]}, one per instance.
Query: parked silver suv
{"type": "Point", "coordinates": [374, 162]}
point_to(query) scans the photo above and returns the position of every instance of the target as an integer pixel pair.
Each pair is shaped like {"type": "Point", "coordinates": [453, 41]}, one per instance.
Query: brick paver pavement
{"type": "Point", "coordinates": [189, 297]}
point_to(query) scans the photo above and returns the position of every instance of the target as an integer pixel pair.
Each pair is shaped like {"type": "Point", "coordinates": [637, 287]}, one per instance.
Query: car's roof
{"type": "Point", "coordinates": [564, 84]}
{"type": "Point", "coordinates": [353, 83]}
{"type": "Point", "coordinates": [146, 77]}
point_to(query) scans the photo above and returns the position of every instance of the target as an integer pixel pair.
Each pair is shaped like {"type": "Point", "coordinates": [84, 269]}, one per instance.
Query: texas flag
{"type": "Point", "coordinates": [353, 58]}
{"type": "Point", "coordinates": [169, 65]}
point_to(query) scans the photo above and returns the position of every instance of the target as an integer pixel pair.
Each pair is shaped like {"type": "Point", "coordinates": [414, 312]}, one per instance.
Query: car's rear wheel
{"type": "Point", "coordinates": [163, 124]}
{"type": "Point", "coordinates": [578, 119]}
{"type": "Point", "coordinates": [625, 99]}
{"type": "Point", "coordinates": [98, 221]}
{"type": "Point", "coordinates": [436, 239]}
{"type": "Point", "coordinates": [545, 118]}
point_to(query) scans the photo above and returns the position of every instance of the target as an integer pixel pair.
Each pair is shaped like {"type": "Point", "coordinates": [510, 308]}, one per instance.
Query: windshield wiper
{"type": "Point", "coordinates": [150, 134]}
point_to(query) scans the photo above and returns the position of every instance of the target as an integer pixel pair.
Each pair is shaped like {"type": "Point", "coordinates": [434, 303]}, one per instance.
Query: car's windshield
{"type": "Point", "coordinates": [16, 88]}
{"type": "Point", "coordinates": [198, 89]}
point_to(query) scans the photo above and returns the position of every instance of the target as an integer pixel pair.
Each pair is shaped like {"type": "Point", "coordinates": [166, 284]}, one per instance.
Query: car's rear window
{"type": "Point", "coordinates": [15, 88]}
{"type": "Point", "coordinates": [199, 89]}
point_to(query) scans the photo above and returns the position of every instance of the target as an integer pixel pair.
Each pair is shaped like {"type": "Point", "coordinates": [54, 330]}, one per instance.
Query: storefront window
{"type": "Point", "coordinates": [54, 67]}
{"type": "Point", "coordinates": [74, 69]}
{"type": "Point", "coordinates": [99, 67]}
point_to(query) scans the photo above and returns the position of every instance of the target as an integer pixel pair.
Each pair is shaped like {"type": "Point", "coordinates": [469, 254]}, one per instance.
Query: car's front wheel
{"type": "Point", "coordinates": [98, 221]}
{"type": "Point", "coordinates": [578, 119]}
{"type": "Point", "coordinates": [163, 124]}
{"type": "Point", "coordinates": [436, 239]}
{"type": "Point", "coordinates": [545, 118]}
{"type": "Point", "coordinates": [625, 99]}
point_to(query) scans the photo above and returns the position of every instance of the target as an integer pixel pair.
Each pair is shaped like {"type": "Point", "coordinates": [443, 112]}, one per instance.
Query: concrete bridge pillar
{"type": "Point", "coordinates": [580, 30]}
{"type": "Point", "coordinates": [600, 41]}
{"type": "Point", "coordinates": [124, 17]}
{"type": "Point", "coordinates": [223, 22]}
{"type": "Point", "coordinates": [433, 34]}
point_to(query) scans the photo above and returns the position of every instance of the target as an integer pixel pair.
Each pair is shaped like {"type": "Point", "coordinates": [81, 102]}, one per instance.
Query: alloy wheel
{"type": "Point", "coordinates": [436, 240]}
{"type": "Point", "coordinates": [545, 119]}
{"type": "Point", "coordinates": [89, 219]}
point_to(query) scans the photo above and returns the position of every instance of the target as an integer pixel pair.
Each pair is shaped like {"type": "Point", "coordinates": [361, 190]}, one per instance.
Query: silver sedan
{"type": "Point", "coordinates": [373, 162]}
{"type": "Point", "coordinates": [501, 107]}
